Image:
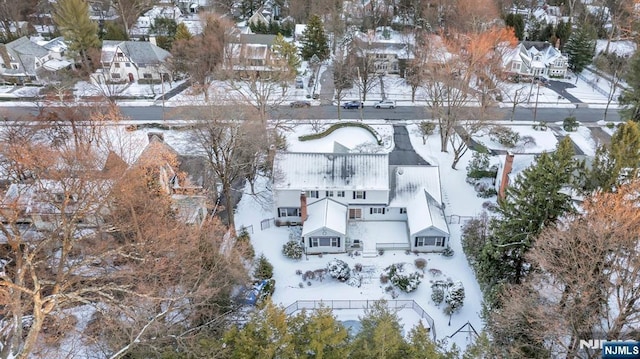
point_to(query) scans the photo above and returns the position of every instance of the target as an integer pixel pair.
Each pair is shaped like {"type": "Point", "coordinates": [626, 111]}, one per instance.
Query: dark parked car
{"type": "Point", "coordinates": [301, 104]}
{"type": "Point", "coordinates": [352, 104]}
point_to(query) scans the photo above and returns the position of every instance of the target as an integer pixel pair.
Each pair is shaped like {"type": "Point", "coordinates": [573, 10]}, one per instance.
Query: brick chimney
{"type": "Point", "coordinates": [504, 181]}
{"type": "Point", "coordinates": [303, 207]}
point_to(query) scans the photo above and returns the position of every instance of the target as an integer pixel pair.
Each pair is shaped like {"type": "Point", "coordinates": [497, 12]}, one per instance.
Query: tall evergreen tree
{"type": "Point", "coordinates": [580, 48]}
{"type": "Point", "coordinates": [72, 19]}
{"type": "Point", "coordinates": [631, 95]}
{"type": "Point", "coordinates": [533, 202]}
{"type": "Point", "coordinates": [287, 52]}
{"type": "Point", "coordinates": [265, 335]}
{"type": "Point", "coordinates": [516, 21]}
{"type": "Point", "coordinates": [165, 31]}
{"type": "Point", "coordinates": [182, 32]}
{"type": "Point", "coordinates": [616, 163]}
{"type": "Point", "coordinates": [314, 40]}
{"type": "Point", "coordinates": [319, 335]}
{"type": "Point", "coordinates": [381, 335]}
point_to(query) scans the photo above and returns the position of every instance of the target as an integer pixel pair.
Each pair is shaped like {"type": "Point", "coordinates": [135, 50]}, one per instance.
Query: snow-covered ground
{"type": "Point", "coordinates": [461, 204]}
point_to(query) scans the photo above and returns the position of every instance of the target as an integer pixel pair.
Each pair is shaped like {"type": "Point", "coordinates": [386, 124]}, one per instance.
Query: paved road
{"type": "Point", "coordinates": [403, 152]}
{"type": "Point", "coordinates": [155, 113]}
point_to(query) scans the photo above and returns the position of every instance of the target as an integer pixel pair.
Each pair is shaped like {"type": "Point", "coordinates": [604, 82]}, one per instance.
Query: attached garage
{"type": "Point", "coordinates": [325, 228]}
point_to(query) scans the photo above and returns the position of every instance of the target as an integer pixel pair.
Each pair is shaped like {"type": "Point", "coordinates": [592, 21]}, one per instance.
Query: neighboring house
{"type": "Point", "coordinates": [182, 181]}
{"type": "Point", "coordinates": [509, 168]}
{"type": "Point", "coordinates": [350, 201]}
{"type": "Point", "coordinates": [44, 203]}
{"type": "Point", "coordinates": [22, 60]}
{"type": "Point", "coordinates": [143, 25]}
{"type": "Point", "coordinates": [251, 52]}
{"type": "Point", "coordinates": [536, 59]}
{"type": "Point", "coordinates": [387, 49]}
{"type": "Point", "coordinates": [192, 6]}
{"type": "Point", "coordinates": [131, 61]}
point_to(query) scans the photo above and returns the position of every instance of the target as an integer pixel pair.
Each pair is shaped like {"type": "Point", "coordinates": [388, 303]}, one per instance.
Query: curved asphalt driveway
{"type": "Point", "coordinates": [561, 88]}
{"type": "Point", "coordinates": [403, 152]}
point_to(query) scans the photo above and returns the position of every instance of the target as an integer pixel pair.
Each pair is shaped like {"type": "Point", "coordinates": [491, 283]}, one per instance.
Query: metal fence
{"type": "Point", "coordinates": [248, 228]}
{"type": "Point", "coordinates": [267, 223]}
{"type": "Point", "coordinates": [456, 219]}
{"type": "Point", "coordinates": [362, 304]}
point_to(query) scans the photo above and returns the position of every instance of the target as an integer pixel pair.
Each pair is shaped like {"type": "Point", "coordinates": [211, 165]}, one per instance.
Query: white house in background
{"type": "Point", "coordinates": [130, 61]}
{"type": "Point", "coordinates": [386, 48]}
{"type": "Point", "coordinates": [161, 11]}
{"type": "Point", "coordinates": [531, 58]}
{"type": "Point", "coordinates": [349, 201]}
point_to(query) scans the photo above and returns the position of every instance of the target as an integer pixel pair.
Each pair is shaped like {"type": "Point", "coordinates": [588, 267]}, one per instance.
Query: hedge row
{"type": "Point", "coordinates": [336, 126]}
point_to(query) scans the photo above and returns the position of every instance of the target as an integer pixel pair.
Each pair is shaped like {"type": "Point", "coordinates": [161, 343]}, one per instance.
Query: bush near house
{"type": "Point", "coordinates": [405, 282]}
{"type": "Point", "coordinates": [336, 126]}
{"type": "Point", "coordinates": [504, 136]}
{"type": "Point", "coordinates": [264, 269]}
{"type": "Point", "coordinates": [293, 249]}
{"type": "Point", "coordinates": [339, 270]}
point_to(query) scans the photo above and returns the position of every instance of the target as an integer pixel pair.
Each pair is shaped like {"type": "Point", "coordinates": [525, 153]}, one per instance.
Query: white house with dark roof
{"type": "Point", "coordinates": [349, 201]}
{"type": "Point", "coordinates": [131, 61]}
{"type": "Point", "coordinates": [386, 48]}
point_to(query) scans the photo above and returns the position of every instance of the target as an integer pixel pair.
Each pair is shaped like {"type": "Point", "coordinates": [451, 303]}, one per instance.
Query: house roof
{"type": "Point", "coordinates": [56, 45]}
{"type": "Point", "coordinates": [25, 52]}
{"type": "Point", "coordinates": [423, 212]}
{"type": "Point", "coordinates": [308, 171]}
{"type": "Point", "coordinates": [257, 39]}
{"type": "Point", "coordinates": [139, 52]}
{"type": "Point", "coordinates": [407, 181]}
{"type": "Point", "coordinates": [326, 213]}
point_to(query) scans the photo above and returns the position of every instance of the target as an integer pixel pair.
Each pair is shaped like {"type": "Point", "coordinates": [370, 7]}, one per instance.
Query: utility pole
{"type": "Point", "coordinates": [535, 109]}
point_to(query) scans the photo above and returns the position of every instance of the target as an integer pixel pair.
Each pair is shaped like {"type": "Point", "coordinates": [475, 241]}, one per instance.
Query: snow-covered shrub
{"type": "Point", "coordinates": [308, 275]}
{"type": "Point", "coordinates": [318, 274]}
{"type": "Point", "coordinates": [437, 295]}
{"type": "Point", "coordinates": [298, 271]}
{"type": "Point", "coordinates": [504, 136]}
{"type": "Point", "coordinates": [490, 206]}
{"type": "Point", "coordinates": [479, 165]}
{"type": "Point", "coordinates": [454, 298]}
{"type": "Point", "coordinates": [357, 267]}
{"type": "Point", "coordinates": [293, 249]}
{"type": "Point", "coordinates": [610, 125]}
{"type": "Point", "coordinates": [528, 140]}
{"type": "Point", "coordinates": [355, 280]}
{"type": "Point", "coordinates": [384, 279]}
{"type": "Point", "coordinates": [339, 270]}
{"type": "Point", "coordinates": [540, 126]}
{"type": "Point", "coordinates": [447, 252]}
{"type": "Point", "coordinates": [405, 282]}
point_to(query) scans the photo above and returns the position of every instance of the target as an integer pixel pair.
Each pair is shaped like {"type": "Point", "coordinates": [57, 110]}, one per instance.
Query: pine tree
{"type": "Point", "coordinates": [532, 203]}
{"type": "Point", "coordinates": [287, 52]}
{"type": "Point", "coordinates": [265, 335]}
{"type": "Point", "coordinates": [72, 19]}
{"type": "Point", "coordinates": [631, 94]}
{"type": "Point", "coordinates": [516, 21]}
{"type": "Point", "coordinates": [381, 335]}
{"type": "Point", "coordinates": [616, 163]}
{"type": "Point", "coordinates": [454, 299]}
{"type": "Point", "coordinates": [264, 269]}
{"type": "Point", "coordinates": [420, 344]}
{"type": "Point", "coordinates": [182, 32]}
{"type": "Point", "coordinates": [580, 48]}
{"type": "Point", "coordinates": [314, 40]}
{"type": "Point", "coordinates": [319, 333]}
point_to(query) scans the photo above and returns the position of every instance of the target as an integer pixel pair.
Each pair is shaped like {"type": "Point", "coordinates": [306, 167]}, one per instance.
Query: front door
{"type": "Point", "coordinates": [131, 79]}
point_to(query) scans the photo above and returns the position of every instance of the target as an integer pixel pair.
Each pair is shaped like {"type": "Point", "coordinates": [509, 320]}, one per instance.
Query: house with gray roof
{"type": "Point", "coordinates": [356, 201]}
{"type": "Point", "coordinates": [388, 50]}
{"type": "Point", "coordinates": [536, 58]}
{"type": "Point", "coordinates": [22, 60]}
{"type": "Point", "coordinates": [132, 61]}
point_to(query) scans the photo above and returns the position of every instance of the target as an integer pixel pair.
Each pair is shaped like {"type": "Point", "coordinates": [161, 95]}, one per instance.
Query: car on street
{"type": "Point", "coordinates": [385, 104]}
{"type": "Point", "coordinates": [352, 104]}
{"type": "Point", "coordinates": [300, 104]}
